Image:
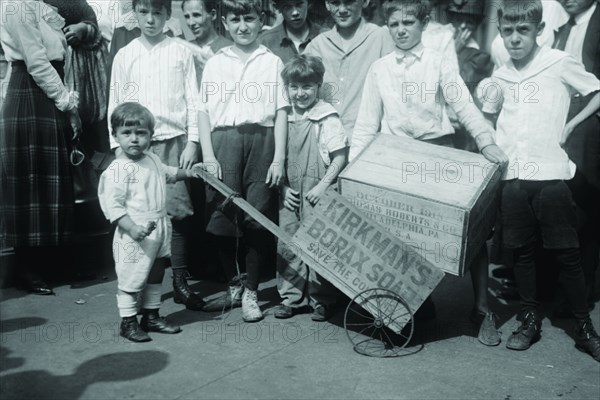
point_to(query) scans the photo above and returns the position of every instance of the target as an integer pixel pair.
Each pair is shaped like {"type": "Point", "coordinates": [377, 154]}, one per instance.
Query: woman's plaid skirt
{"type": "Point", "coordinates": [36, 190]}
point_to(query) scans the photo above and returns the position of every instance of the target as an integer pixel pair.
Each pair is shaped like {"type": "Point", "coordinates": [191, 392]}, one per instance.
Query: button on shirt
{"type": "Point", "coordinates": [162, 79]}
{"type": "Point", "coordinates": [533, 103]}
{"type": "Point", "coordinates": [406, 94]}
{"type": "Point", "coordinates": [346, 66]}
{"type": "Point", "coordinates": [236, 93]}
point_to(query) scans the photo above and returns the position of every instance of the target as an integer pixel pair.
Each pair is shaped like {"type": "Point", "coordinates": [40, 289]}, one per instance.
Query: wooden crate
{"type": "Point", "coordinates": [442, 201]}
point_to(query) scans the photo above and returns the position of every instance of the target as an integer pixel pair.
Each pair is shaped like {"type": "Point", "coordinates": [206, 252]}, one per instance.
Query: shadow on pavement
{"type": "Point", "coordinates": [114, 367]}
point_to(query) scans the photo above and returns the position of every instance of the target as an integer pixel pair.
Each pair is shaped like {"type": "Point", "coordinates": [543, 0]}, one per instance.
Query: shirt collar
{"type": "Point", "coordinates": [228, 51]}
{"type": "Point", "coordinates": [313, 31]}
{"type": "Point", "coordinates": [320, 110]}
{"type": "Point", "coordinates": [586, 15]}
{"type": "Point", "coordinates": [335, 37]}
{"type": "Point", "coordinates": [544, 59]}
{"type": "Point", "coordinates": [416, 52]}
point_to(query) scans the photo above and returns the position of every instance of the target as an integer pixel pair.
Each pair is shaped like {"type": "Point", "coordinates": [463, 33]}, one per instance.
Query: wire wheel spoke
{"type": "Point", "coordinates": [373, 338]}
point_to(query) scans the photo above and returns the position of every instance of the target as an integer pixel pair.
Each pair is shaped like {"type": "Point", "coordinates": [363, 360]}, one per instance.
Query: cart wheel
{"type": "Point", "coordinates": [368, 330]}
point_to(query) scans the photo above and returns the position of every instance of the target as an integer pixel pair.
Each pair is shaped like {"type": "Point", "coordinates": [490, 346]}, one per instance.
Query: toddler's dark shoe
{"type": "Point", "coordinates": [284, 312]}
{"type": "Point", "coordinates": [526, 334]}
{"type": "Point", "coordinates": [320, 313]}
{"type": "Point", "coordinates": [586, 338]}
{"type": "Point", "coordinates": [131, 330]}
{"type": "Point", "coordinates": [152, 322]}
{"type": "Point", "coordinates": [488, 334]}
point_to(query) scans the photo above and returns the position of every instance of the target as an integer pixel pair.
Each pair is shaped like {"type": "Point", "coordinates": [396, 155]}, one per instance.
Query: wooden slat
{"type": "Point", "coordinates": [393, 162]}
{"type": "Point", "coordinates": [243, 204]}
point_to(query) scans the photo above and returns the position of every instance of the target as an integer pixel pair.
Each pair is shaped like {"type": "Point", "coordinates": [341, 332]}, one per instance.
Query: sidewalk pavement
{"type": "Point", "coordinates": [67, 347]}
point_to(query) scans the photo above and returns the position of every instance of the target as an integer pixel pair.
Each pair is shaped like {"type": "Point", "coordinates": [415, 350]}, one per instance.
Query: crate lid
{"type": "Point", "coordinates": [406, 165]}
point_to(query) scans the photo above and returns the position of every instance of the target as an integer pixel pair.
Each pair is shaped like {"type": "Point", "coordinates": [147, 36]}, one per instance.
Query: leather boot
{"type": "Point", "coordinates": [526, 334]}
{"type": "Point", "coordinates": [182, 294]}
{"type": "Point", "coordinates": [586, 338]}
{"type": "Point", "coordinates": [152, 322]}
{"type": "Point", "coordinates": [132, 331]}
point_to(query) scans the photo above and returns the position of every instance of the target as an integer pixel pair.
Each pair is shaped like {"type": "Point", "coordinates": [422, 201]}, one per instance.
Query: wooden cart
{"type": "Point", "coordinates": [383, 276]}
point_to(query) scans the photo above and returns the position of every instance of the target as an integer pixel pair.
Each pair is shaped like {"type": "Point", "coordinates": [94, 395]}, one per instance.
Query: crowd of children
{"type": "Point", "coordinates": [276, 115]}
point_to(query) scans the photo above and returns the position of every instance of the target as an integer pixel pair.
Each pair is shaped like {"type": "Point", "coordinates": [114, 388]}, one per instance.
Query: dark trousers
{"type": "Point", "coordinates": [532, 209]}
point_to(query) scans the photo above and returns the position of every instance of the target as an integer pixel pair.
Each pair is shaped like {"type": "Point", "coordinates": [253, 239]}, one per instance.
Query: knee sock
{"type": "Point", "coordinates": [126, 302]}
{"type": "Point", "coordinates": [226, 248]}
{"type": "Point", "coordinates": [152, 296]}
{"type": "Point", "coordinates": [257, 247]}
{"type": "Point", "coordinates": [179, 244]}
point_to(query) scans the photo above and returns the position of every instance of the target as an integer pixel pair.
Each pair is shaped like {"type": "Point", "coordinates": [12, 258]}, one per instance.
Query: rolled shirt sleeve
{"type": "Point", "coordinates": [29, 41]}
{"type": "Point", "coordinates": [370, 115]}
{"type": "Point", "coordinates": [575, 76]}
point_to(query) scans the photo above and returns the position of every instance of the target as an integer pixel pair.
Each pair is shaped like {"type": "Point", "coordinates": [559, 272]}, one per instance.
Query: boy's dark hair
{"type": "Point", "coordinates": [209, 5]}
{"type": "Point", "coordinates": [418, 8]}
{"type": "Point", "coordinates": [466, 11]}
{"type": "Point", "coordinates": [278, 3]}
{"type": "Point", "coordinates": [131, 114]}
{"type": "Point", "coordinates": [154, 3]}
{"type": "Point", "coordinates": [515, 11]}
{"type": "Point", "coordinates": [241, 7]}
{"type": "Point", "coordinates": [303, 68]}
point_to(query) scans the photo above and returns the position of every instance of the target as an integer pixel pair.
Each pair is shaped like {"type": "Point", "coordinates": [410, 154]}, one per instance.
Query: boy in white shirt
{"type": "Point", "coordinates": [401, 96]}
{"type": "Point", "coordinates": [158, 72]}
{"type": "Point", "coordinates": [132, 195]}
{"type": "Point", "coordinates": [532, 94]}
{"type": "Point", "coordinates": [243, 133]}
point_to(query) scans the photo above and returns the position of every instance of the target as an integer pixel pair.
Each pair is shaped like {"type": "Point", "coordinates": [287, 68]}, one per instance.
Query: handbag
{"type": "Point", "coordinates": [85, 177]}
{"type": "Point", "coordinates": [86, 72]}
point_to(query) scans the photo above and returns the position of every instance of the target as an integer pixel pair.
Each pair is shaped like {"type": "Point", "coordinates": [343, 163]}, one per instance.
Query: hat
{"type": "Point", "coordinates": [470, 7]}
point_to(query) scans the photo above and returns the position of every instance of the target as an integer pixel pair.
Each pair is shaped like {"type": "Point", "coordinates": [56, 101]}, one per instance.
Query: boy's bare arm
{"type": "Point", "coordinates": [339, 158]}
{"type": "Point", "coordinates": [592, 107]}
{"type": "Point", "coordinates": [276, 172]}
{"type": "Point", "coordinates": [338, 162]}
{"type": "Point", "coordinates": [188, 173]}
{"type": "Point", "coordinates": [208, 154]}
{"type": "Point", "coordinates": [189, 156]}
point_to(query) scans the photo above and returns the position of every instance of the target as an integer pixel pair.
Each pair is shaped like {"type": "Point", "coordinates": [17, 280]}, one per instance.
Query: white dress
{"type": "Point", "coordinates": [137, 189]}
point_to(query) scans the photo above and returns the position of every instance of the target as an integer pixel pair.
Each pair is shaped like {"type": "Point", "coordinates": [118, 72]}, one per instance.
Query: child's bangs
{"type": "Point", "coordinates": [408, 7]}
{"type": "Point", "coordinates": [241, 7]}
{"type": "Point", "coordinates": [521, 11]}
{"type": "Point", "coordinates": [135, 121]}
{"type": "Point", "coordinates": [156, 4]}
{"type": "Point", "coordinates": [130, 115]}
{"type": "Point", "coordinates": [304, 75]}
